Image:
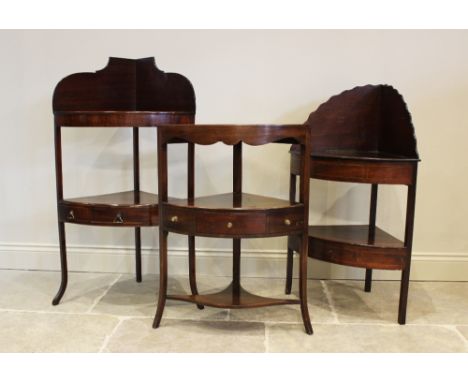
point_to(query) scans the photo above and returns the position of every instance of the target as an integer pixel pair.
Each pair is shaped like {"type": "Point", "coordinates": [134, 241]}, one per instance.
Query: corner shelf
{"type": "Point", "coordinates": [230, 298]}
{"type": "Point", "coordinates": [363, 135]}
{"type": "Point", "coordinates": [352, 245]}
{"type": "Point", "coordinates": [126, 93]}
{"type": "Point", "coordinates": [235, 215]}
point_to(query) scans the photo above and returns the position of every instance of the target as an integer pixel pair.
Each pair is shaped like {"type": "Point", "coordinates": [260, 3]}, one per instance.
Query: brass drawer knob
{"type": "Point", "coordinates": [287, 222]}
{"type": "Point", "coordinates": [118, 218]}
{"type": "Point", "coordinates": [229, 225]}
{"type": "Point", "coordinates": [71, 215]}
{"type": "Point", "coordinates": [174, 219]}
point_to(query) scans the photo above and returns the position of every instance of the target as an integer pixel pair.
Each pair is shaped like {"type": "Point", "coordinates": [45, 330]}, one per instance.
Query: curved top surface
{"type": "Point", "coordinates": [371, 122]}
{"type": "Point", "coordinates": [232, 134]}
{"type": "Point", "coordinates": [125, 85]}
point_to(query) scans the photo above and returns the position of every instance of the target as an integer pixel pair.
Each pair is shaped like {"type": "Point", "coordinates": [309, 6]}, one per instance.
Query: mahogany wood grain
{"type": "Point", "coordinates": [117, 209]}
{"type": "Point", "coordinates": [123, 85]}
{"type": "Point", "coordinates": [371, 119]}
{"type": "Point", "coordinates": [118, 199]}
{"type": "Point", "coordinates": [371, 237]}
{"type": "Point", "coordinates": [363, 135]}
{"type": "Point", "coordinates": [136, 188]}
{"type": "Point", "coordinates": [244, 201]}
{"type": "Point", "coordinates": [118, 119]}
{"type": "Point", "coordinates": [357, 170]}
{"type": "Point", "coordinates": [233, 298]}
{"type": "Point", "coordinates": [233, 215]}
{"type": "Point", "coordinates": [349, 245]}
{"type": "Point", "coordinates": [126, 93]}
{"type": "Point", "coordinates": [232, 134]}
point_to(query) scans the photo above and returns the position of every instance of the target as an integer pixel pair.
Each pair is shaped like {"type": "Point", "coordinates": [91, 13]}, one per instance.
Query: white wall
{"type": "Point", "coordinates": [238, 76]}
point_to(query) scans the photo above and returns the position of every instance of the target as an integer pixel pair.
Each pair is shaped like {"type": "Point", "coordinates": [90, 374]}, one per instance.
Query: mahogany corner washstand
{"type": "Point", "coordinates": [128, 94]}
{"type": "Point", "coordinates": [234, 215]}
{"type": "Point", "coordinates": [363, 135]}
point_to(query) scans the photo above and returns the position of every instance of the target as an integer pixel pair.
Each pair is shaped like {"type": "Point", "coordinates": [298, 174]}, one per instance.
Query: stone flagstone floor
{"type": "Point", "coordinates": [103, 312]}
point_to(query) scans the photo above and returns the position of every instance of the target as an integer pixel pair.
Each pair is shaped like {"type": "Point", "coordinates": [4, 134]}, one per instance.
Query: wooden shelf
{"type": "Point", "coordinates": [354, 235]}
{"type": "Point", "coordinates": [243, 201]}
{"type": "Point", "coordinates": [231, 299]}
{"type": "Point", "coordinates": [128, 94]}
{"type": "Point", "coordinates": [363, 135]}
{"type": "Point", "coordinates": [123, 199]}
{"type": "Point", "coordinates": [234, 215]}
{"type": "Point", "coordinates": [351, 245]}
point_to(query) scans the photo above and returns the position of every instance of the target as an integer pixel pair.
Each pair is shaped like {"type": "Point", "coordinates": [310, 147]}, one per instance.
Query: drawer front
{"type": "Point", "coordinates": [230, 224]}
{"type": "Point", "coordinates": [116, 216]}
{"type": "Point", "coordinates": [70, 214]}
{"type": "Point", "coordinates": [177, 219]}
{"type": "Point", "coordinates": [286, 220]}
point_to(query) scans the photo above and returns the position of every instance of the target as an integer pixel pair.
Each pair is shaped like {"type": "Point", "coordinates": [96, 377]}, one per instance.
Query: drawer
{"type": "Point", "coordinates": [286, 220]}
{"type": "Point", "coordinates": [177, 219]}
{"type": "Point", "coordinates": [116, 216]}
{"type": "Point", "coordinates": [72, 214]}
{"type": "Point", "coordinates": [230, 223]}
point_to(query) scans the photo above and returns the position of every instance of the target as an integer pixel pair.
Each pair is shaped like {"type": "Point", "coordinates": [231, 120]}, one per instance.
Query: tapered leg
{"type": "Point", "coordinates": [290, 259]}
{"type": "Point", "coordinates": [192, 269]}
{"type": "Point", "coordinates": [371, 237]}
{"type": "Point", "coordinates": [303, 285]}
{"type": "Point", "coordinates": [63, 264]}
{"type": "Point", "coordinates": [368, 283]}
{"type": "Point", "coordinates": [236, 265]}
{"type": "Point", "coordinates": [138, 254]}
{"type": "Point", "coordinates": [289, 270]}
{"type": "Point", "coordinates": [405, 275]}
{"type": "Point", "coordinates": [162, 277]}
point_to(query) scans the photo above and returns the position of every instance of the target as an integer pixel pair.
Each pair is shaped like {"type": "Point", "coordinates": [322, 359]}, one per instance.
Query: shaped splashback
{"type": "Point", "coordinates": [125, 85]}
{"type": "Point", "coordinates": [366, 119]}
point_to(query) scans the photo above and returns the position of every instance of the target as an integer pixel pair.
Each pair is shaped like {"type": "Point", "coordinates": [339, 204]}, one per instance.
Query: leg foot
{"type": "Point", "coordinates": [303, 285]}
{"type": "Point", "coordinates": [138, 254]}
{"type": "Point", "coordinates": [403, 296]}
{"type": "Point", "coordinates": [192, 269]}
{"type": "Point", "coordinates": [368, 282]}
{"type": "Point", "coordinates": [289, 269]}
{"type": "Point", "coordinates": [63, 265]}
{"type": "Point", "coordinates": [162, 278]}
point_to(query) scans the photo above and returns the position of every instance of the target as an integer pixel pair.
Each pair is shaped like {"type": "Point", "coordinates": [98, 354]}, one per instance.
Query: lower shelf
{"type": "Point", "coordinates": [229, 299]}
{"type": "Point", "coordinates": [352, 245]}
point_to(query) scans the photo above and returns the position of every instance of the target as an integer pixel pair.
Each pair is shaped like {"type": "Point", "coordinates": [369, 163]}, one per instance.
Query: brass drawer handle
{"type": "Point", "coordinates": [229, 225]}
{"type": "Point", "coordinates": [287, 222]}
{"type": "Point", "coordinates": [174, 219]}
{"type": "Point", "coordinates": [118, 218]}
{"type": "Point", "coordinates": [71, 215]}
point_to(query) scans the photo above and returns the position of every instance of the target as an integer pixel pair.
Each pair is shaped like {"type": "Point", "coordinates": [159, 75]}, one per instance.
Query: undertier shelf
{"type": "Point", "coordinates": [229, 299]}
{"type": "Point", "coordinates": [352, 245]}
{"type": "Point", "coordinates": [354, 235]}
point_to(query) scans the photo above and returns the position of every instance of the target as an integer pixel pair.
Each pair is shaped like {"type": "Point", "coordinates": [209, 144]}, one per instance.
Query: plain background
{"type": "Point", "coordinates": [239, 77]}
